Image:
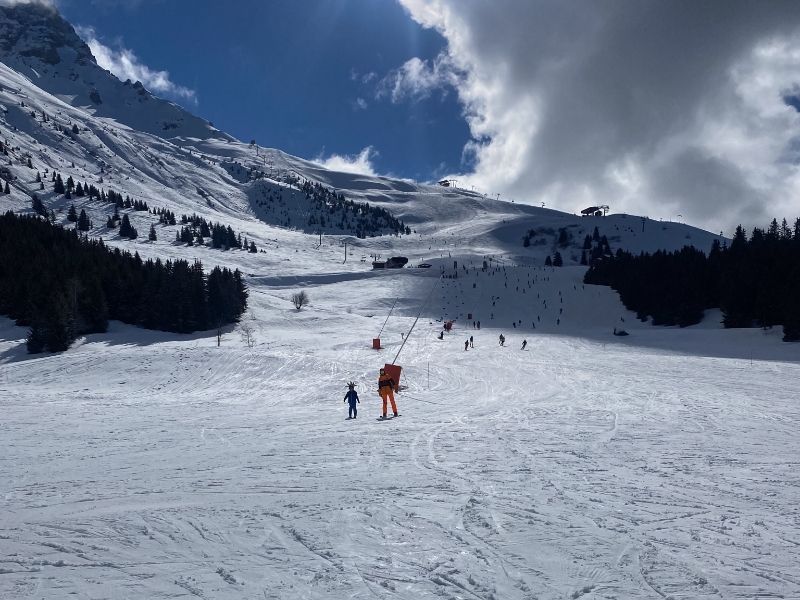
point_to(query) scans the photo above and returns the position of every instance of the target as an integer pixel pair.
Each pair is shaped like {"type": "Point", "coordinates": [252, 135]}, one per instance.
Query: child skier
{"type": "Point", "coordinates": [352, 397]}
{"type": "Point", "coordinates": [386, 390]}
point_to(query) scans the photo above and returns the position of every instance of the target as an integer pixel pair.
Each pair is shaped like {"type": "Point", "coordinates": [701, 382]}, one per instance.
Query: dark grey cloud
{"type": "Point", "coordinates": [654, 107]}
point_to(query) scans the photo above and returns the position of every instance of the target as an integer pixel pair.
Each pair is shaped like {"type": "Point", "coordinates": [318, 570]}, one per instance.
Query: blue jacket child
{"type": "Point", "coordinates": [352, 397]}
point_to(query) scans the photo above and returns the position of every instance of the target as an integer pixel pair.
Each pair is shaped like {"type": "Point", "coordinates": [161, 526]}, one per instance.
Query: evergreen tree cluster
{"type": "Point", "coordinates": [62, 285]}
{"type": "Point", "coordinates": [86, 190]}
{"type": "Point", "coordinates": [755, 281]}
{"type": "Point", "coordinates": [165, 216]}
{"type": "Point", "coordinates": [335, 210]}
{"type": "Point", "coordinates": [328, 209]}
{"type": "Point", "coordinates": [196, 229]}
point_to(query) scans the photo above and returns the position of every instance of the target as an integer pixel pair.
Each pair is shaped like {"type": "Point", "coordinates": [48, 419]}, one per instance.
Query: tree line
{"type": "Point", "coordinates": [755, 281]}
{"type": "Point", "coordinates": [61, 285]}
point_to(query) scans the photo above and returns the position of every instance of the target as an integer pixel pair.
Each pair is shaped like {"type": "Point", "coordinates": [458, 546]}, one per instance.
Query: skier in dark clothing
{"type": "Point", "coordinates": [466, 345]}
{"type": "Point", "coordinates": [524, 343]}
{"type": "Point", "coordinates": [470, 342]}
{"type": "Point", "coordinates": [352, 397]}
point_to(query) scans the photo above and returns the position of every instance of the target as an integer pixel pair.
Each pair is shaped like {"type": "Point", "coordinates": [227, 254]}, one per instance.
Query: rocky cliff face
{"type": "Point", "coordinates": [38, 43]}
{"type": "Point", "coordinates": [36, 30]}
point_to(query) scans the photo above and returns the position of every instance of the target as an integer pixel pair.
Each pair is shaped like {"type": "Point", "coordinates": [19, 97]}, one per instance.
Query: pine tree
{"type": "Point", "coordinates": [111, 224]}
{"type": "Point", "coordinates": [548, 262]}
{"type": "Point", "coordinates": [36, 339]}
{"type": "Point", "coordinates": [75, 129]}
{"type": "Point", "coordinates": [558, 261]}
{"type": "Point", "coordinates": [596, 235]}
{"type": "Point", "coordinates": [83, 221]}
{"type": "Point", "coordinates": [38, 177]}
{"type": "Point", "coordinates": [584, 262]}
{"type": "Point", "coordinates": [38, 206]}
{"type": "Point", "coordinates": [72, 214]}
{"type": "Point", "coordinates": [786, 233]}
{"type": "Point", "coordinates": [7, 189]}
{"type": "Point", "coordinates": [125, 228]}
{"type": "Point", "coordinates": [739, 238]}
{"type": "Point", "coordinates": [587, 242]}
{"type": "Point", "coordinates": [58, 188]}
{"type": "Point", "coordinates": [253, 248]}
{"type": "Point", "coordinates": [152, 235]}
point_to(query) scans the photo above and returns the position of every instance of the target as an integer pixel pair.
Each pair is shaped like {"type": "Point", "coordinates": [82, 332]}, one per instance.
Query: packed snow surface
{"type": "Point", "coordinates": [148, 465]}
{"type": "Point", "coordinates": [140, 464]}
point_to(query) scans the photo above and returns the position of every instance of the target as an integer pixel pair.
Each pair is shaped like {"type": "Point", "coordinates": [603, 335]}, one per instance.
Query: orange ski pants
{"type": "Point", "coordinates": [388, 394]}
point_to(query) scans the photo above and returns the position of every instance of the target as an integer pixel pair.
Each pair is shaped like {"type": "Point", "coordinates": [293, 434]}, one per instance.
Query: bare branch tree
{"type": "Point", "coordinates": [247, 329]}
{"type": "Point", "coordinates": [299, 299]}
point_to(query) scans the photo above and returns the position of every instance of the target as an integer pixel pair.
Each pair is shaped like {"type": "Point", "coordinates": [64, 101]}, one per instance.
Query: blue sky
{"type": "Point", "coordinates": [299, 76]}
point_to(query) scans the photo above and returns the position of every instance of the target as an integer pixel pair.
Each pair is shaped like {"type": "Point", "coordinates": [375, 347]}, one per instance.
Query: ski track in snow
{"type": "Point", "coordinates": [141, 464]}
{"type": "Point", "coordinates": [184, 469]}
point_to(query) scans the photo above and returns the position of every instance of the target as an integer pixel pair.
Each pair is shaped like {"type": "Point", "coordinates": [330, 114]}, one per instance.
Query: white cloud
{"type": "Point", "coordinates": [417, 79]}
{"type": "Point", "coordinates": [360, 103]}
{"type": "Point", "coordinates": [655, 107]}
{"type": "Point", "coordinates": [369, 77]}
{"type": "Point", "coordinates": [43, 3]}
{"type": "Point", "coordinates": [126, 65]}
{"type": "Point", "coordinates": [360, 163]}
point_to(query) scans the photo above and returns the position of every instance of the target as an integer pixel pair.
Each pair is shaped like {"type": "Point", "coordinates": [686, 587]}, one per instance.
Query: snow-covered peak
{"type": "Point", "coordinates": [37, 42]}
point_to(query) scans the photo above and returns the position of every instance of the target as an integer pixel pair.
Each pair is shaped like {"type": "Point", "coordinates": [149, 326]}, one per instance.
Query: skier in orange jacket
{"type": "Point", "coordinates": [386, 390]}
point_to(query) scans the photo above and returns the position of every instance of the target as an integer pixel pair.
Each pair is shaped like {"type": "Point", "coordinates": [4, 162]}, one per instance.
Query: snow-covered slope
{"type": "Point", "coordinates": [38, 43]}
{"type": "Point", "coordinates": [140, 464]}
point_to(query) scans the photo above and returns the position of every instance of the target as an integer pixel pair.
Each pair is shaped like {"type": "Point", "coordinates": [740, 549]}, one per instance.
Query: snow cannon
{"type": "Point", "coordinates": [376, 344]}
{"type": "Point", "coordinates": [394, 372]}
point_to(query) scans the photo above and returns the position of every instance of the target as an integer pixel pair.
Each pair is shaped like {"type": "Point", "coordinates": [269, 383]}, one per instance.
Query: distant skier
{"type": "Point", "coordinates": [466, 345]}
{"type": "Point", "coordinates": [470, 342]}
{"type": "Point", "coordinates": [441, 334]}
{"type": "Point", "coordinates": [352, 397]}
{"type": "Point", "coordinates": [386, 390]}
{"type": "Point", "coordinates": [524, 343]}
{"type": "Point", "coordinates": [502, 340]}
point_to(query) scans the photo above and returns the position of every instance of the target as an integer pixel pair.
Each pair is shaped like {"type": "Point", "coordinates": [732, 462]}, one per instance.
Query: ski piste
{"type": "Point", "coordinates": [588, 465]}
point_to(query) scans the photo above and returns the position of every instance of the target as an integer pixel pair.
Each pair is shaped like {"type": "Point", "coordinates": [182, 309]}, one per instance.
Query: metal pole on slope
{"type": "Point", "coordinates": [417, 319]}
{"type": "Point", "coordinates": [387, 317]}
